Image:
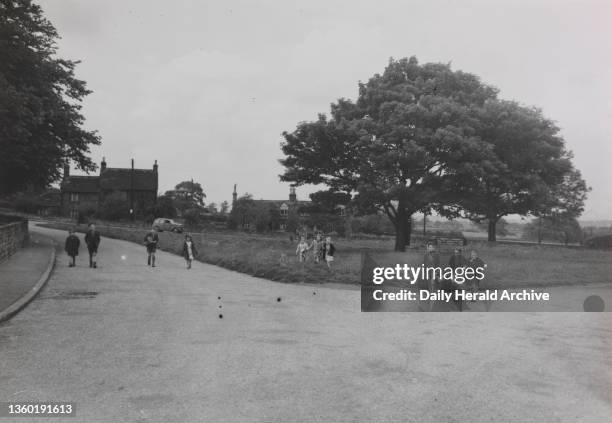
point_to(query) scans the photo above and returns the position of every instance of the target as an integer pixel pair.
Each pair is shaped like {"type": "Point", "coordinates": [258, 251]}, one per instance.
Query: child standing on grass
{"type": "Point", "coordinates": [151, 240]}
{"type": "Point", "coordinates": [302, 247]}
{"type": "Point", "coordinates": [189, 250]}
{"type": "Point", "coordinates": [329, 251]}
{"type": "Point", "coordinates": [72, 247]}
{"type": "Point", "coordinates": [317, 247]}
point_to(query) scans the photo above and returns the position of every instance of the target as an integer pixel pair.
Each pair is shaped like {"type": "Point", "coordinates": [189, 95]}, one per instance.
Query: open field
{"type": "Point", "coordinates": [273, 257]}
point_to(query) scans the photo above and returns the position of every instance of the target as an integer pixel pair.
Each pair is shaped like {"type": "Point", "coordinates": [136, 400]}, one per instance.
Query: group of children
{"type": "Point", "coordinates": [322, 250]}
{"type": "Point", "coordinates": [92, 240]}
{"type": "Point", "coordinates": [151, 242]}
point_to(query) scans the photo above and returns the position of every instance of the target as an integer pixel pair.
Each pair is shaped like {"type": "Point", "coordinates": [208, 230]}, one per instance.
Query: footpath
{"type": "Point", "coordinates": [24, 274]}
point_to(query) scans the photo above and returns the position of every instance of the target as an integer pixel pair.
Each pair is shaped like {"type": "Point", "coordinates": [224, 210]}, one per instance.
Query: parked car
{"type": "Point", "coordinates": [163, 224]}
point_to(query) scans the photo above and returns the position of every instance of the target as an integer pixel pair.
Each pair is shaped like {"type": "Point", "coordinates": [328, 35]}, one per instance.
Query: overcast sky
{"type": "Point", "coordinates": [207, 87]}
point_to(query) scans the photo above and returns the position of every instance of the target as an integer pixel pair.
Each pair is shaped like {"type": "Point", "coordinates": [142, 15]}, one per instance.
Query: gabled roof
{"type": "Point", "coordinates": [119, 179]}
{"type": "Point", "coordinates": [81, 184]}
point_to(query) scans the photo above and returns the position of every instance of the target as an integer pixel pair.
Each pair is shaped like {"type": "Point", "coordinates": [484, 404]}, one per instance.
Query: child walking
{"type": "Point", "coordinates": [92, 240]}
{"type": "Point", "coordinates": [72, 247]}
{"type": "Point", "coordinates": [189, 250]}
{"type": "Point", "coordinates": [151, 240]}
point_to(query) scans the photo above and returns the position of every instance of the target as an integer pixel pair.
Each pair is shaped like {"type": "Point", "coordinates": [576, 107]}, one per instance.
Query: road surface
{"type": "Point", "coordinates": [130, 343]}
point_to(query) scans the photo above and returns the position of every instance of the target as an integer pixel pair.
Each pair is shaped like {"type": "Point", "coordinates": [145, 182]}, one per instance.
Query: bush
{"type": "Point", "coordinates": [603, 242]}
{"type": "Point", "coordinates": [192, 217]}
{"type": "Point", "coordinates": [86, 212]}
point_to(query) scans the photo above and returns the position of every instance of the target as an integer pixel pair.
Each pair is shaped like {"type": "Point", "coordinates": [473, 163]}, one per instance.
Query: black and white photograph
{"type": "Point", "coordinates": [305, 211]}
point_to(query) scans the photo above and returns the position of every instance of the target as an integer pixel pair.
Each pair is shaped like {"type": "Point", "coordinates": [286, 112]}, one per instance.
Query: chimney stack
{"type": "Point", "coordinates": [66, 171]}
{"type": "Point", "coordinates": [292, 196]}
{"type": "Point", "coordinates": [103, 165]}
{"type": "Point", "coordinates": [155, 166]}
{"type": "Point", "coordinates": [234, 195]}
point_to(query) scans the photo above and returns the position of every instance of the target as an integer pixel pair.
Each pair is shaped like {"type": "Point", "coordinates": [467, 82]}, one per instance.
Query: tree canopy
{"type": "Point", "coordinates": [395, 145]}
{"type": "Point", "coordinates": [422, 137]}
{"type": "Point", "coordinates": [41, 125]}
{"type": "Point", "coordinates": [524, 169]}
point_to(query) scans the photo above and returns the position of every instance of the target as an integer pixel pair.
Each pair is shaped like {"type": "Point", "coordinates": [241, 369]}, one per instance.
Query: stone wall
{"type": "Point", "coordinates": [13, 235]}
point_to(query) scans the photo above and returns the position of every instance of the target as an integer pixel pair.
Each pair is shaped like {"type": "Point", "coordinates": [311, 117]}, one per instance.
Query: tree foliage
{"type": "Point", "coordinates": [41, 125]}
{"type": "Point", "coordinates": [523, 169]}
{"type": "Point", "coordinates": [187, 195]}
{"type": "Point", "coordinates": [327, 201]}
{"type": "Point", "coordinates": [395, 145]}
{"type": "Point", "coordinates": [565, 229]}
{"type": "Point", "coordinates": [164, 207]}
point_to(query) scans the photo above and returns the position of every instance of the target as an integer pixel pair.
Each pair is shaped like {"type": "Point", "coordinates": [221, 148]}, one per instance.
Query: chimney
{"type": "Point", "coordinates": [292, 196]}
{"type": "Point", "coordinates": [103, 165]}
{"type": "Point", "coordinates": [234, 195]}
{"type": "Point", "coordinates": [155, 166]}
{"type": "Point", "coordinates": [66, 171]}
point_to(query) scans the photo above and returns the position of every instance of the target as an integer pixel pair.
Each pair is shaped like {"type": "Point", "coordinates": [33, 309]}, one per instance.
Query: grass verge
{"type": "Point", "coordinates": [273, 257]}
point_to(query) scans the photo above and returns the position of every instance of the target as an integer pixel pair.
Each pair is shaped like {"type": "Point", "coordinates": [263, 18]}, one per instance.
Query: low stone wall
{"type": "Point", "coordinates": [13, 235]}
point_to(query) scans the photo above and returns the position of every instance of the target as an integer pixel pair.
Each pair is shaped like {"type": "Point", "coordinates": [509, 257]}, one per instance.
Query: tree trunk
{"type": "Point", "coordinates": [400, 229]}
{"type": "Point", "coordinates": [408, 229]}
{"type": "Point", "coordinates": [540, 230]}
{"type": "Point", "coordinates": [492, 230]}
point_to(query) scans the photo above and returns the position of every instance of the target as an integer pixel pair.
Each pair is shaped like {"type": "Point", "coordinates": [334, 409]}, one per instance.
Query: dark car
{"type": "Point", "coordinates": [162, 224]}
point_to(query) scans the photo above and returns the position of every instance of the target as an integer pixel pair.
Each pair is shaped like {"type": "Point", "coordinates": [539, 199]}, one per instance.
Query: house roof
{"type": "Point", "coordinates": [119, 179]}
{"type": "Point", "coordinates": [81, 184]}
{"type": "Point", "coordinates": [112, 179]}
{"type": "Point", "coordinates": [279, 203]}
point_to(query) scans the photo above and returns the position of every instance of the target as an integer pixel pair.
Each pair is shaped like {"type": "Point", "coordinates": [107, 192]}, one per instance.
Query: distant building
{"type": "Point", "coordinates": [138, 187]}
{"type": "Point", "coordinates": [300, 208]}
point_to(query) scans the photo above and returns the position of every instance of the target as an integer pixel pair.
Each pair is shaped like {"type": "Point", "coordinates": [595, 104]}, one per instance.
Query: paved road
{"type": "Point", "coordinates": [129, 343]}
{"type": "Point", "coordinates": [20, 273]}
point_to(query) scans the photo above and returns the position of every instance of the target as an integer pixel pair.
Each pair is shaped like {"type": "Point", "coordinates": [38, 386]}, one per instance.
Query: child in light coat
{"type": "Point", "coordinates": [301, 250]}
{"type": "Point", "coordinates": [189, 251]}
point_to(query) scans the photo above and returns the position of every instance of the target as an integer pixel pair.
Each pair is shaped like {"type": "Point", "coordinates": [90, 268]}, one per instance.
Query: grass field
{"type": "Point", "coordinates": [273, 257]}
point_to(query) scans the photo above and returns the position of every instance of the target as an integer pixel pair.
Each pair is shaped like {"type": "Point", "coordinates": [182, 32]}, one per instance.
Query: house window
{"type": "Point", "coordinates": [342, 210]}
{"type": "Point", "coordinates": [283, 226]}
{"type": "Point", "coordinates": [74, 197]}
{"type": "Point", "coordinates": [284, 209]}
{"type": "Point", "coordinates": [74, 213]}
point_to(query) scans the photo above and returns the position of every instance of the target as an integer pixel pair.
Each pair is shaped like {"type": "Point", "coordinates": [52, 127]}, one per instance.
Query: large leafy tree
{"type": "Point", "coordinates": [187, 195]}
{"type": "Point", "coordinates": [394, 146]}
{"type": "Point", "coordinates": [40, 102]}
{"type": "Point", "coordinates": [523, 169]}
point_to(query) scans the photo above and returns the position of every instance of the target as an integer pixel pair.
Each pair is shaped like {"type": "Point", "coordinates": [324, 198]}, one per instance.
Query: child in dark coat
{"type": "Point", "coordinates": [189, 251]}
{"type": "Point", "coordinates": [92, 239]}
{"type": "Point", "coordinates": [329, 251]}
{"type": "Point", "coordinates": [150, 241]}
{"type": "Point", "coordinates": [72, 247]}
